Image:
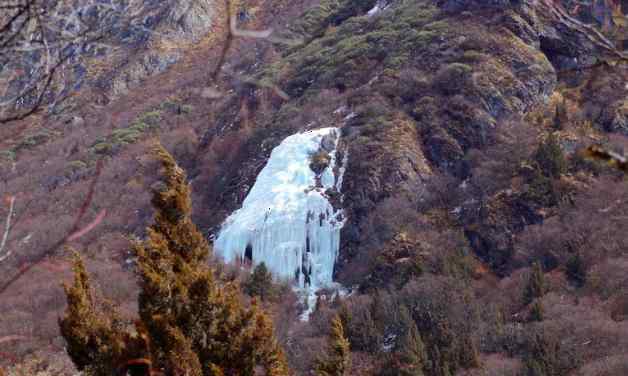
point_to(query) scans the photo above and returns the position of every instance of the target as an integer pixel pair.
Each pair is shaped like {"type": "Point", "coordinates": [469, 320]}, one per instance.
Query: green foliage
{"type": "Point", "coordinates": [472, 56]}
{"type": "Point", "coordinates": [316, 20]}
{"type": "Point", "coordinates": [536, 312]}
{"type": "Point", "coordinates": [130, 135]}
{"type": "Point", "coordinates": [550, 157]}
{"type": "Point", "coordinates": [362, 330]}
{"type": "Point", "coordinates": [549, 164]}
{"type": "Point", "coordinates": [35, 139]}
{"type": "Point", "coordinates": [7, 156]}
{"type": "Point", "coordinates": [560, 116]}
{"type": "Point", "coordinates": [451, 78]}
{"type": "Point", "coordinates": [448, 342]}
{"type": "Point", "coordinates": [186, 109]}
{"type": "Point", "coordinates": [344, 55]}
{"type": "Point", "coordinates": [77, 165]}
{"type": "Point", "coordinates": [190, 321]}
{"type": "Point", "coordinates": [541, 189]}
{"type": "Point", "coordinates": [535, 287]}
{"type": "Point", "coordinates": [338, 360]}
{"type": "Point", "coordinates": [174, 106]}
{"type": "Point", "coordinates": [542, 358]}
{"type": "Point", "coordinates": [260, 283]}
{"type": "Point", "coordinates": [411, 349]}
{"type": "Point", "coordinates": [576, 270]}
{"type": "Point", "coordinates": [457, 263]}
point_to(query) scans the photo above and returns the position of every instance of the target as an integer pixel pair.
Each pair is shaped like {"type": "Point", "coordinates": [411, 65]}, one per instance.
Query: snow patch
{"type": "Point", "coordinates": [379, 6]}
{"type": "Point", "coordinates": [376, 9]}
{"type": "Point", "coordinates": [286, 220]}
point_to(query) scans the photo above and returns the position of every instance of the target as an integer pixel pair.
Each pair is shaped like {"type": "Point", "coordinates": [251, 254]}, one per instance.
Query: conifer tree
{"type": "Point", "coordinates": [338, 360]}
{"type": "Point", "coordinates": [412, 354]}
{"type": "Point", "coordinates": [190, 321]}
{"type": "Point", "coordinates": [536, 312]}
{"type": "Point", "coordinates": [536, 284]}
{"type": "Point", "coordinates": [550, 157]}
{"type": "Point", "coordinates": [260, 283]}
{"type": "Point", "coordinates": [576, 269]}
{"type": "Point", "coordinates": [542, 357]}
{"type": "Point", "coordinates": [95, 340]}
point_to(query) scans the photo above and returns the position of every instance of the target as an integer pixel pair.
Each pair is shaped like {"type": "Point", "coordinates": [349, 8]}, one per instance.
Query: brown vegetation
{"type": "Point", "coordinates": [190, 322]}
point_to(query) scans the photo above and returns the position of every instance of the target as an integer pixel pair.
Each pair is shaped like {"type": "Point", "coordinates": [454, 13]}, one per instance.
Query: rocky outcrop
{"type": "Point", "coordinates": [109, 47]}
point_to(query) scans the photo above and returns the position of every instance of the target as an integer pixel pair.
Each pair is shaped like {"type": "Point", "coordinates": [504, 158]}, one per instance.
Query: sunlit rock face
{"type": "Point", "coordinates": [287, 220]}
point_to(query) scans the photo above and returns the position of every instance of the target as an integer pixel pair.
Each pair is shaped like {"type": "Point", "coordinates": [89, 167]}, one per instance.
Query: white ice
{"type": "Point", "coordinates": [286, 220]}
{"type": "Point", "coordinates": [379, 6]}
{"type": "Point", "coordinates": [374, 10]}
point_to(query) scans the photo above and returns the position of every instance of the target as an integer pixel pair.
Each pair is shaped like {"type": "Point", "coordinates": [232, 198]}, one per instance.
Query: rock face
{"type": "Point", "coordinates": [130, 38]}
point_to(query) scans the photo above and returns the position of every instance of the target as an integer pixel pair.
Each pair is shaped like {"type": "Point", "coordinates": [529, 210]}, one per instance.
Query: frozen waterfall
{"type": "Point", "coordinates": [287, 220]}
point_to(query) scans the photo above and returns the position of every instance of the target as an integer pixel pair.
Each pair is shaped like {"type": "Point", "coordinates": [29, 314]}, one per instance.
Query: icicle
{"type": "Point", "coordinates": [286, 220]}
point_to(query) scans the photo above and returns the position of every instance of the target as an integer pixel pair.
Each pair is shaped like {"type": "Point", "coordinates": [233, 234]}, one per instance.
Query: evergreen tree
{"type": "Point", "coordinates": [560, 116]}
{"type": "Point", "coordinates": [95, 340]}
{"type": "Point", "coordinates": [536, 312]}
{"type": "Point", "coordinates": [536, 284]}
{"type": "Point", "coordinates": [550, 157]}
{"type": "Point", "coordinates": [190, 321]}
{"type": "Point", "coordinates": [542, 357]}
{"type": "Point", "coordinates": [576, 270]}
{"type": "Point", "coordinates": [260, 283]}
{"type": "Point", "coordinates": [412, 354]}
{"type": "Point", "coordinates": [338, 360]}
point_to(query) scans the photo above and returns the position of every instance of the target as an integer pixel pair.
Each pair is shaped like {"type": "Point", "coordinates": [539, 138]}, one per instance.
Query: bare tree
{"type": "Point", "coordinates": [38, 41]}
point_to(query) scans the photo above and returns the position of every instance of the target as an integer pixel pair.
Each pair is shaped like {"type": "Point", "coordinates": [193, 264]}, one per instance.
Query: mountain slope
{"type": "Point", "coordinates": [453, 188]}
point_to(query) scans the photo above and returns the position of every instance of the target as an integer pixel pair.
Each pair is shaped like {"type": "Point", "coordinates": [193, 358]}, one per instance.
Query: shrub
{"type": "Point", "coordinates": [452, 78]}
{"type": "Point", "coordinates": [536, 312]}
{"type": "Point", "coordinates": [576, 270]}
{"type": "Point", "coordinates": [541, 190]}
{"type": "Point", "coordinates": [411, 356]}
{"type": "Point", "coordinates": [536, 284]}
{"type": "Point", "coordinates": [77, 165]}
{"type": "Point", "coordinates": [550, 158]}
{"type": "Point", "coordinates": [30, 141]}
{"type": "Point", "coordinates": [260, 283]}
{"type": "Point", "coordinates": [542, 356]}
{"type": "Point", "coordinates": [7, 156]}
{"type": "Point", "coordinates": [130, 135]}
{"type": "Point", "coordinates": [319, 161]}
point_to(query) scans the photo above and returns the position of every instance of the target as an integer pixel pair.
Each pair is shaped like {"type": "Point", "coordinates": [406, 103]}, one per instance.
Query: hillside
{"type": "Point", "coordinates": [421, 163]}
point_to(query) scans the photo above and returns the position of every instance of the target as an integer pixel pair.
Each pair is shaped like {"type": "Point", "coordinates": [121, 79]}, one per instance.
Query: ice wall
{"type": "Point", "coordinates": [286, 220]}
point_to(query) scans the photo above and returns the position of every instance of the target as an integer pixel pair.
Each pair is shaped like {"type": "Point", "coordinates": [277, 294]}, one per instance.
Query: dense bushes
{"type": "Point", "coordinates": [451, 78]}
{"type": "Point", "coordinates": [346, 56]}
{"type": "Point", "coordinates": [426, 327]}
